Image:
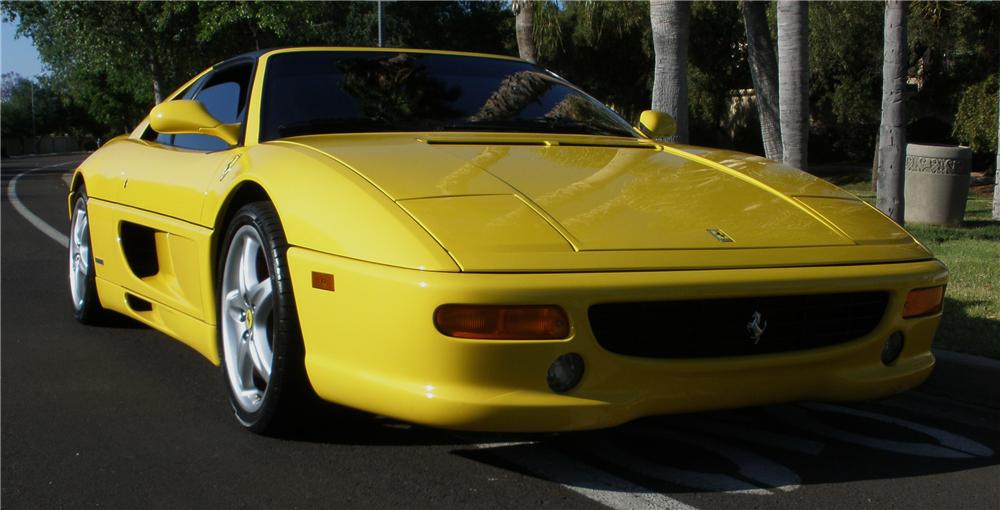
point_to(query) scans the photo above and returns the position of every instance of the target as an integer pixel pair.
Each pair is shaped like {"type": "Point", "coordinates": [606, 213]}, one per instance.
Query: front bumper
{"type": "Point", "coordinates": [371, 344]}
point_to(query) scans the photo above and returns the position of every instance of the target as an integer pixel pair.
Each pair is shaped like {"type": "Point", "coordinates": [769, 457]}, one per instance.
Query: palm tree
{"type": "Point", "coordinates": [764, 71]}
{"type": "Point", "coordinates": [671, 26]}
{"type": "Point", "coordinates": [793, 81]}
{"type": "Point", "coordinates": [996, 172]}
{"type": "Point", "coordinates": [892, 133]}
{"type": "Point", "coordinates": [524, 24]}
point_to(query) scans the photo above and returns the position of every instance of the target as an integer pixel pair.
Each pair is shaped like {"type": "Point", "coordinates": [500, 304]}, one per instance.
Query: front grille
{"type": "Point", "coordinates": [719, 327]}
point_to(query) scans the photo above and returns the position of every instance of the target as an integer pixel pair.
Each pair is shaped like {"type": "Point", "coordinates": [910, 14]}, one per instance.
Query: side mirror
{"type": "Point", "coordinates": [189, 117]}
{"type": "Point", "coordinates": [656, 124]}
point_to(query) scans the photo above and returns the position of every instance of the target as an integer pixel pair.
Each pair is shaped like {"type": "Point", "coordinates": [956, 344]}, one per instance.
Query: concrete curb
{"type": "Point", "coordinates": [965, 378]}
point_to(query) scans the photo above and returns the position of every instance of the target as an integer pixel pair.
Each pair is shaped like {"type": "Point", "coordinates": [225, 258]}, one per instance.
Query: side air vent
{"type": "Point", "coordinates": [139, 247]}
{"type": "Point", "coordinates": [137, 304]}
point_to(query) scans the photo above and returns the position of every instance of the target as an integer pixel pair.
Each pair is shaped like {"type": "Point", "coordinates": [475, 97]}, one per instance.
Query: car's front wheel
{"type": "Point", "coordinates": [82, 285]}
{"type": "Point", "coordinates": [260, 344]}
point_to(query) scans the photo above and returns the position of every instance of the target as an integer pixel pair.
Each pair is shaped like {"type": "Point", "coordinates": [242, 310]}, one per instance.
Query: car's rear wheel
{"type": "Point", "coordinates": [260, 343]}
{"type": "Point", "coordinates": [82, 285]}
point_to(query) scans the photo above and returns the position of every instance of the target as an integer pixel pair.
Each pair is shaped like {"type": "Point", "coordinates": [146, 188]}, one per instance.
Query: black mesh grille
{"type": "Point", "coordinates": [719, 327]}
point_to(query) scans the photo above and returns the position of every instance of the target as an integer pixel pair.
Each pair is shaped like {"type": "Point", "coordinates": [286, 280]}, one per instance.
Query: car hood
{"type": "Point", "coordinates": [500, 202]}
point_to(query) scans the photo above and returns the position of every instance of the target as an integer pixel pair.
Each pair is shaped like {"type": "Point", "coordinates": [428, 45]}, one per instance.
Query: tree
{"type": "Point", "coordinates": [793, 81]}
{"type": "Point", "coordinates": [40, 107]}
{"type": "Point", "coordinates": [996, 170]}
{"type": "Point", "coordinates": [670, 21]}
{"type": "Point", "coordinates": [892, 134]}
{"type": "Point", "coordinates": [524, 11]}
{"type": "Point", "coordinates": [139, 49]}
{"type": "Point", "coordinates": [764, 71]}
{"type": "Point", "coordinates": [603, 47]}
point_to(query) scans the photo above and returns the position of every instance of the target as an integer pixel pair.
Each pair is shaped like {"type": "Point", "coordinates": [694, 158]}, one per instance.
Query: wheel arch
{"type": "Point", "coordinates": [246, 192]}
{"type": "Point", "coordinates": [75, 184]}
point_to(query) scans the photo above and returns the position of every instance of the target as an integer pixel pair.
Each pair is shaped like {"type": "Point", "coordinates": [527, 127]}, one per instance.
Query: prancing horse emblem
{"type": "Point", "coordinates": [756, 327]}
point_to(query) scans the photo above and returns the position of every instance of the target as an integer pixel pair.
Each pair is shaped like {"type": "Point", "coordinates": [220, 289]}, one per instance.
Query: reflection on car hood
{"type": "Point", "coordinates": [522, 202]}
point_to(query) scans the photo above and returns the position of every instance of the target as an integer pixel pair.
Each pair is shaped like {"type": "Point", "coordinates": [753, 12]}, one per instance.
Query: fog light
{"type": "Point", "coordinates": [893, 346]}
{"type": "Point", "coordinates": [565, 372]}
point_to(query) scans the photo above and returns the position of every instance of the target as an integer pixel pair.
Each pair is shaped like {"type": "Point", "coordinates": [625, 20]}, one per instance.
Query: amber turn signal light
{"type": "Point", "coordinates": [920, 302]}
{"type": "Point", "coordinates": [502, 322]}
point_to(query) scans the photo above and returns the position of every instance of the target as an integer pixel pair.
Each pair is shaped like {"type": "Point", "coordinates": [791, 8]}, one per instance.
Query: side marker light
{"type": "Point", "coordinates": [322, 281]}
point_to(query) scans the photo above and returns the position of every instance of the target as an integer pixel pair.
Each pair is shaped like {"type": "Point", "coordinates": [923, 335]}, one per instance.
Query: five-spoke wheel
{"type": "Point", "coordinates": [82, 286]}
{"type": "Point", "coordinates": [260, 344]}
{"type": "Point", "coordinates": [247, 318]}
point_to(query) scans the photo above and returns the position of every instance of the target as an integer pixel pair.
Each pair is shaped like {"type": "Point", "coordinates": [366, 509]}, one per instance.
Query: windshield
{"type": "Point", "coordinates": [343, 92]}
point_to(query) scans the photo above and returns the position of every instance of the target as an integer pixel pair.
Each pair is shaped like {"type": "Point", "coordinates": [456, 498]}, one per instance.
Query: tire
{"type": "Point", "coordinates": [87, 307]}
{"type": "Point", "coordinates": [260, 346]}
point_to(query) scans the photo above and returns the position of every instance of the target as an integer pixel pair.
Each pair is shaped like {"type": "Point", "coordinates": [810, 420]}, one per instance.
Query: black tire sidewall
{"type": "Point", "coordinates": [286, 371]}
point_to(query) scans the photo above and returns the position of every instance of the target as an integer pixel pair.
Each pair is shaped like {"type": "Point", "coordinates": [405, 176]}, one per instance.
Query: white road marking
{"type": "Point", "coordinates": [23, 210]}
{"type": "Point", "coordinates": [950, 446]}
{"type": "Point", "coordinates": [714, 482]}
{"type": "Point", "coordinates": [758, 472]}
{"type": "Point", "coordinates": [930, 405]}
{"type": "Point", "coordinates": [946, 439]}
{"type": "Point", "coordinates": [745, 432]}
{"type": "Point", "coordinates": [583, 479]}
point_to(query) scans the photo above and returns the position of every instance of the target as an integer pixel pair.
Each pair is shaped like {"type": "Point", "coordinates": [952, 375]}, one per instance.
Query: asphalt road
{"type": "Point", "coordinates": [124, 417]}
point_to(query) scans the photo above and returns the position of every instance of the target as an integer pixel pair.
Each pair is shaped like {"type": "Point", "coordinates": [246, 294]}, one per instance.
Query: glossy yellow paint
{"type": "Point", "coordinates": [405, 368]}
{"type": "Point", "coordinates": [657, 124]}
{"type": "Point", "coordinates": [141, 128]}
{"type": "Point", "coordinates": [406, 222]}
{"type": "Point", "coordinates": [186, 116]}
{"type": "Point", "coordinates": [618, 205]}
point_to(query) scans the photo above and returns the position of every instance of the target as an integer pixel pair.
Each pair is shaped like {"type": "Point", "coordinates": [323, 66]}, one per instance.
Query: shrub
{"type": "Point", "coordinates": [976, 120]}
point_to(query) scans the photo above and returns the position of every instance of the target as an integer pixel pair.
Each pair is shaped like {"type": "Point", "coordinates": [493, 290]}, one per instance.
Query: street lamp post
{"type": "Point", "coordinates": [381, 14]}
{"type": "Point", "coordinates": [32, 83]}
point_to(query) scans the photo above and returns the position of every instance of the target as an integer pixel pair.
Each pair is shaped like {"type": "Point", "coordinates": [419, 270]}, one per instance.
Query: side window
{"type": "Point", "coordinates": [225, 97]}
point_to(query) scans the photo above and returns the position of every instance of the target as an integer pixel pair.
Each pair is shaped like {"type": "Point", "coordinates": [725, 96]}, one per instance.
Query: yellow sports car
{"type": "Point", "coordinates": [469, 241]}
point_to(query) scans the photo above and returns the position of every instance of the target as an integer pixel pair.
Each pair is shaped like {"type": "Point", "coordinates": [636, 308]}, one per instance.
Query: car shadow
{"type": "Point", "coordinates": [119, 321]}
{"type": "Point", "coordinates": [752, 452]}
{"type": "Point", "coordinates": [749, 452]}
{"type": "Point", "coordinates": [321, 422]}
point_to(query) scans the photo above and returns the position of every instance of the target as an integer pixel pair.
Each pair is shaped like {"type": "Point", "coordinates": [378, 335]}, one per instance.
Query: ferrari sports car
{"type": "Point", "coordinates": [469, 241]}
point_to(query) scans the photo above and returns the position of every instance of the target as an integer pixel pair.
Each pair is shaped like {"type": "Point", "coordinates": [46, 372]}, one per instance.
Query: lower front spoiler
{"type": "Point", "coordinates": [371, 344]}
{"type": "Point", "coordinates": [545, 411]}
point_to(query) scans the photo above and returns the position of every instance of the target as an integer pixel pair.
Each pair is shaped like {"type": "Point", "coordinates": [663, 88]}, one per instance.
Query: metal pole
{"type": "Point", "coordinates": [381, 13]}
{"type": "Point", "coordinates": [32, 83]}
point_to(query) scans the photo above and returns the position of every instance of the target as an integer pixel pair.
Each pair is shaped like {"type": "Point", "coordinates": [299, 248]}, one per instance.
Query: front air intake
{"type": "Point", "coordinates": [709, 328]}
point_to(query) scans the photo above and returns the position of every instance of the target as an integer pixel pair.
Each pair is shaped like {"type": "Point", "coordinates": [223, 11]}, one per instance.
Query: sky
{"type": "Point", "coordinates": [18, 55]}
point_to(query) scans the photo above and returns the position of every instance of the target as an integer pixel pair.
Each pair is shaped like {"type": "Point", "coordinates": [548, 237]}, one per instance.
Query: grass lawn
{"type": "Point", "coordinates": [971, 320]}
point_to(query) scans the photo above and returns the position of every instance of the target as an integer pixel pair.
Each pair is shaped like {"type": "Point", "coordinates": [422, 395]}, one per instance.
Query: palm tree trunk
{"type": "Point", "coordinates": [764, 71]}
{"type": "Point", "coordinates": [671, 26]}
{"type": "Point", "coordinates": [524, 24]}
{"type": "Point", "coordinates": [996, 172]}
{"type": "Point", "coordinates": [793, 81]}
{"type": "Point", "coordinates": [892, 133]}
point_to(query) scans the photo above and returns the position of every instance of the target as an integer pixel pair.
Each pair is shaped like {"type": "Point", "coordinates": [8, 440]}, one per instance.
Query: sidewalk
{"type": "Point", "coordinates": [965, 378]}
